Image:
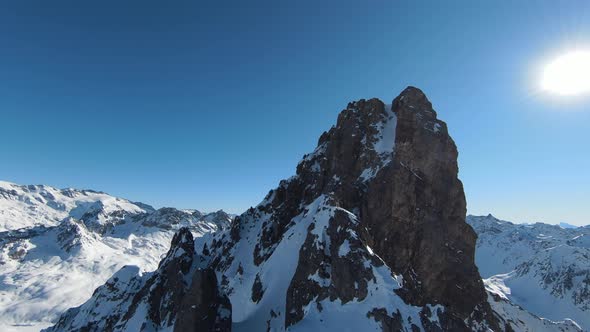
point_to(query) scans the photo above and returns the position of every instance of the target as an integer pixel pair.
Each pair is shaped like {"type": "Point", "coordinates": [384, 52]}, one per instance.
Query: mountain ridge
{"type": "Point", "coordinates": [369, 234]}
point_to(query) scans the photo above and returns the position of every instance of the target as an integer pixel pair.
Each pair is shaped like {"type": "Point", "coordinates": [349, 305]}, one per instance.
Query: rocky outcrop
{"type": "Point", "coordinates": [175, 293]}
{"type": "Point", "coordinates": [414, 210]}
{"type": "Point", "coordinates": [203, 308]}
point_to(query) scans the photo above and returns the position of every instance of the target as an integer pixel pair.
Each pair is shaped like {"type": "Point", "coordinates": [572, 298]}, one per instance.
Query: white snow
{"type": "Point", "coordinates": [344, 248]}
{"type": "Point", "coordinates": [540, 267]}
{"type": "Point", "coordinates": [275, 273]}
{"type": "Point", "coordinates": [386, 140]}
{"type": "Point", "coordinates": [522, 320]}
{"type": "Point", "coordinates": [383, 143]}
{"type": "Point", "coordinates": [27, 206]}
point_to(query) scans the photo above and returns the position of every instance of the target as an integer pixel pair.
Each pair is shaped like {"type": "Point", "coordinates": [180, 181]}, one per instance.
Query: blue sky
{"type": "Point", "coordinates": [208, 106]}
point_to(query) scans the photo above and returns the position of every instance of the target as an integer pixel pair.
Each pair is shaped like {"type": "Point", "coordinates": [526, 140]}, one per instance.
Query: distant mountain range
{"type": "Point", "coordinates": [543, 268]}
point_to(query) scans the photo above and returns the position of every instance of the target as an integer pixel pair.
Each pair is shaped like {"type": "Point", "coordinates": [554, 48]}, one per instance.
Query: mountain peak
{"type": "Point", "coordinates": [566, 225]}
{"type": "Point", "coordinates": [370, 230]}
{"type": "Point", "coordinates": [414, 96]}
{"type": "Point", "coordinates": [392, 171]}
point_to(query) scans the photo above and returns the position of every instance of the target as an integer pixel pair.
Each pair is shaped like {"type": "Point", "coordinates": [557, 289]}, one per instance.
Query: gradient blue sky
{"type": "Point", "coordinates": [208, 105]}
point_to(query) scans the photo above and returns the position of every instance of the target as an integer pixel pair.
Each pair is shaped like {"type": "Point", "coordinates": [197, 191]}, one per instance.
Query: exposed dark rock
{"type": "Point", "coordinates": [203, 308]}
{"type": "Point", "coordinates": [389, 323]}
{"type": "Point", "coordinates": [414, 210]}
{"type": "Point", "coordinates": [235, 229]}
{"type": "Point", "coordinates": [257, 290]}
{"type": "Point", "coordinates": [338, 275]}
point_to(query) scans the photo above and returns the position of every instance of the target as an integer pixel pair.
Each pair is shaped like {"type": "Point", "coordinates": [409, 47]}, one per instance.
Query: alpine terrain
{"type": "Point", "coordinates": [543, 268]}
{"type": "Point", "coordinates": [57, 246]}
{"type": "Point", "coordinates": [368, 235]}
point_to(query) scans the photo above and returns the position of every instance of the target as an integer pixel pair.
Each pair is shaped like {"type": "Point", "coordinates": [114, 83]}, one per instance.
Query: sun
{"type": "Point", "coordinates": [568, 75]}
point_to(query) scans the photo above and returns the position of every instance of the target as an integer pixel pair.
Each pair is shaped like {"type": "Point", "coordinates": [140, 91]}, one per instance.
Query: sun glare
{"type": "Point", "coordinates": [568, 74]}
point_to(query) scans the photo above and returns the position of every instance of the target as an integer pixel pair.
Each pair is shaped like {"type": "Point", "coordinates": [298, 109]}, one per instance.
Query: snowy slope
{"type": "Point", "coordinates": [519, 318]}
{"type": "Point", "coordinates": [51, 264]}
{"type": "Point", "coordinates": [543, 268]}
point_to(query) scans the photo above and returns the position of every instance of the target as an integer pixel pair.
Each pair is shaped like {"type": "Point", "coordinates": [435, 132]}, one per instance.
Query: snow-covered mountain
{"type": "Point", "coordinates": [58, 245]}
{"type": "Point", "coordinates": [543, 268]}
{"type": "Point", "coordinates": [370, 234]}
{"type": "Point", "coordinates": [566, 225]}
{"type": "Point", "coordinates": [38, 205]}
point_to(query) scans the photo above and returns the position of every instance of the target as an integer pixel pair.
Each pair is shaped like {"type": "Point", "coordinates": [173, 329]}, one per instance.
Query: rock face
{"type": "Point", "coordinates": [414, 212]}
{"type": "Point", "coordinates": [203, 307]}
{"type": "Point", "coordinates": [369, 234]}
{"type": "Point", "coordinates": [395, 167]}
{"type": "Point", "coordinates": [412, 207]}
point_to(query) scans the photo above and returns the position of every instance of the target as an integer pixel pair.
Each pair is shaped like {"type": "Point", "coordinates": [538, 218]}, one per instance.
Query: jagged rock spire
{"type": "Point", "coordinates": [371, 230]}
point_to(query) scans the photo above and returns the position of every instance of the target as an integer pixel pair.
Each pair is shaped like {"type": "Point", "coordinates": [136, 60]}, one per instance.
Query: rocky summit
{"type": "Point", "coordinates": [370, 234]}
